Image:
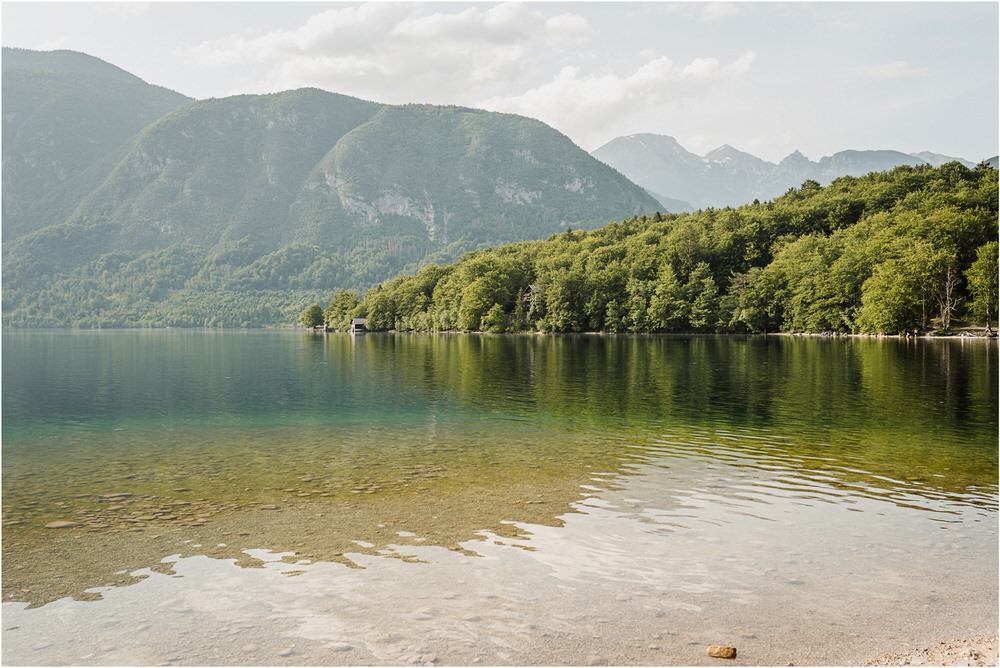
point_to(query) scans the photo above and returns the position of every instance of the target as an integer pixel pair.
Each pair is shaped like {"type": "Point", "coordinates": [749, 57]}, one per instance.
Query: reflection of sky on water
{"type": "Point", "coordinates": [649, 572]}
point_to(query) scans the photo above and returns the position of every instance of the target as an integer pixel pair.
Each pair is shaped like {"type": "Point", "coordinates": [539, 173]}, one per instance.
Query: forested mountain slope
{"type": "Point", "coordinates": [64, 115]}
{"type": "Point", "coordinates": [909, 249]}
{"type": "Point", "coordinates": [237, 211]}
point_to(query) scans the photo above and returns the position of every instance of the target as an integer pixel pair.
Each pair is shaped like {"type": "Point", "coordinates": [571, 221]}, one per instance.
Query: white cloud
{"type": "Point", "coordinates": [501, 24]}
{"type": "Point", "coordinates": [348, 30]}
{"type": "Point", "coordinates": [713, 11]}
{"type": "Point", "coordinates": [401, 52]}
{"type": "Point", "coordinates": [584, 106]}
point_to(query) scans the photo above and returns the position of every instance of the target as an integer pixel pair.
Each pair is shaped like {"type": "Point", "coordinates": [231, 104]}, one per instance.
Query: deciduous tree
{"type": "Point", "coordinates": [312, 316]}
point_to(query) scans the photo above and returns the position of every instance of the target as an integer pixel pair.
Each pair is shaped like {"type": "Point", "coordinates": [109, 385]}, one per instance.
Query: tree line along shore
{"type": "Point", "coordinates": [910, 251]}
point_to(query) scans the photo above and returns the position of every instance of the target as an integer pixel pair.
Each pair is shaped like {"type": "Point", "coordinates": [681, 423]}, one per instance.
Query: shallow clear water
{"type": "Point", "coordinates": [508, 499]}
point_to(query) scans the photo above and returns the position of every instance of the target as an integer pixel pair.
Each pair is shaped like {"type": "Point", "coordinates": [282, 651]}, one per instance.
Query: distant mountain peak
{"type": "Point", "coordinates": [936, 159]}
{"type": "Point", "coordinates": [795, 158]}
{"type": "Point", "coordinates": [652, 136]}
{"type": "Point", "coordinates": [728, 154]}
{"type": "Point", "coordinates": [723, 152]}
{"type": "Point", "coordinates": [727, 176]}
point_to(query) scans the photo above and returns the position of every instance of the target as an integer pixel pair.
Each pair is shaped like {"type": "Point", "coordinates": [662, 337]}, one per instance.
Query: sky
{"type": "Point", "coordinates": [767, 78]}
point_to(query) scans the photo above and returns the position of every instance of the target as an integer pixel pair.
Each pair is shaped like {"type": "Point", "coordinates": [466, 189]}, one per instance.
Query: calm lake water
{"type": "Point", "coordinates": [286, 498]}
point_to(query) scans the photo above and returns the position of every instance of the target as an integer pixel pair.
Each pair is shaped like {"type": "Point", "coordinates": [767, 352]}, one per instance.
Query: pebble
{"type": "Point", "coordinates": [269, 506]}
{"type": "Point", "coordinates": [62, 524]}
{"type": "Point", "coordinates": [341, 647]}
{"type": "Point", "coordinates": [722, 651]}
{"type": "Point", "coordinates": [288, 651]}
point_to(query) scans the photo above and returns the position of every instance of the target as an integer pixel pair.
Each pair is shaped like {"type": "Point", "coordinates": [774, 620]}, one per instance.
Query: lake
{"type": "Point", "coordinates": [287, 498]}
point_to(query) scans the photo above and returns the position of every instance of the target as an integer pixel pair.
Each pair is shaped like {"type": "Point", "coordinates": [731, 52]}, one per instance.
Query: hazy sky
{"type": "Point", "coordinates": [766, 78]}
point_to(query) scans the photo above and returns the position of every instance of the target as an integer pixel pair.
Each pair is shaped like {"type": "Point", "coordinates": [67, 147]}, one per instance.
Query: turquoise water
{"type": "Point", "coordinates": [337, 449]}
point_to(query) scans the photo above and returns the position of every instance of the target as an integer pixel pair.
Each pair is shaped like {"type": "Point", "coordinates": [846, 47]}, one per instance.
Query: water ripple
{"type": "Point", "coordinates": [746, 471]}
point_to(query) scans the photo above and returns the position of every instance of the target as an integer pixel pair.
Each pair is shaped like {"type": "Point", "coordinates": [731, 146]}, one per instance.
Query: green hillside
{"type": "Point", "coordinates": [64, 115]}
{"type": "Point", "coordinates": [238, 211]}
{"type": "Point", "coordinates": [910, 249]}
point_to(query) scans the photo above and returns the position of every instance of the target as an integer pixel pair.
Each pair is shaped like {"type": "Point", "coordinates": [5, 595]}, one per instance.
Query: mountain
{"type": "Point", "coordinates": [663, 165]}
{"type": "Point", "coordinates": [64, 114]}
{"type": "Point", "coordinates": [936, 159]}
{"type": "Point", "coordinates": [793, 169]}
{"type": "Point", "coordinates": [683, 181]}
{"type": "Point", "coordinates": [241, 210]}
{"type": "Point", "coordinates": [740, 172]}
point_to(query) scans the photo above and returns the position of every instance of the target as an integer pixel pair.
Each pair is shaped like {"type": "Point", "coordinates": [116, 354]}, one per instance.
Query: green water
{"type": "Point", "coordinates": [893, 404]}
{"type": "Point", "coordinates": [175, 433]}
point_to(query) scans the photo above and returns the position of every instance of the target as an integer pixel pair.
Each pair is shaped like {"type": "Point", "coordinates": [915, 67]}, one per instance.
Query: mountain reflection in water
{"type": "Point", "coordinates": [222, 443]}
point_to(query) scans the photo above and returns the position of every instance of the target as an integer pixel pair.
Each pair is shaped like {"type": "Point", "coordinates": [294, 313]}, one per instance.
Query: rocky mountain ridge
{"type": "Point", "coordinates": [684, 181]}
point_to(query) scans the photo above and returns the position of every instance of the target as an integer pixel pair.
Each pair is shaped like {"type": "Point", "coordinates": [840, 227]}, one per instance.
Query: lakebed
{"type": "Point", "coordinates": [625, 578]}
{"type": "Point", "coordinates": [273, 499]}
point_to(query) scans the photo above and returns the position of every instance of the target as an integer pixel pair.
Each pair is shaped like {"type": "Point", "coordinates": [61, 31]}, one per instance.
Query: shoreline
{"type": "Point", "coordinates": [977, 650]}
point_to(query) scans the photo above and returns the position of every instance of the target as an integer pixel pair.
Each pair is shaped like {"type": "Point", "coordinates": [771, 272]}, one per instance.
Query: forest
{"type": "Point", "coordinates": [912, 250]}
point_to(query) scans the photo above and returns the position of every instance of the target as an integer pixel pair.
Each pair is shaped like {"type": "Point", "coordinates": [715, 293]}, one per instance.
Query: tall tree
{"type": "Point", "coordinates": [983, 278]}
